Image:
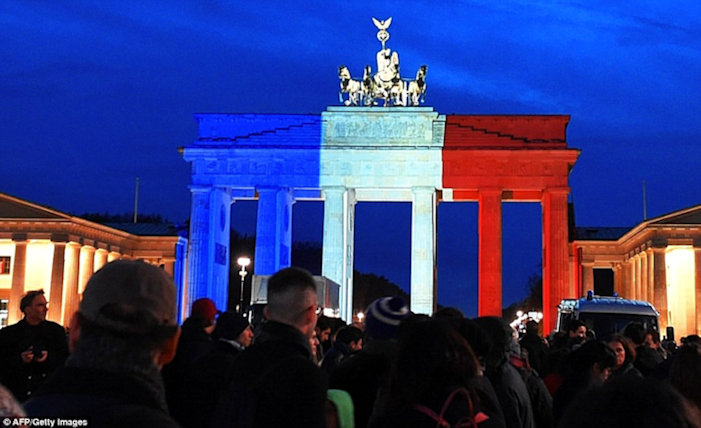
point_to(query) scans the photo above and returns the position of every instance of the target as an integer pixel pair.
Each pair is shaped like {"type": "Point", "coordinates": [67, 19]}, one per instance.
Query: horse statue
{"type": "Point", "coordinates": [368, 87]}
{"type": "Point", "coordinates": [349, 86]}
{"type": "Point", "coordinates": [387, 83]}
{"type": "Point", "coordinates": [417, 87]}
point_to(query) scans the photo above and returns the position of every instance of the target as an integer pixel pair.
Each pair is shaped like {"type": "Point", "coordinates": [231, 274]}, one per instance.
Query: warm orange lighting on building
{"type": "Point", "coordinates": [681, 297]}
{"type": "Point", "coordinates": [37, 274]}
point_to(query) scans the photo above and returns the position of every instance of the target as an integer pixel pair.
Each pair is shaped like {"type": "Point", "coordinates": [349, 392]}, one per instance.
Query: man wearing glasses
{"type": "Point", "coordinates": [275, 381]}
{"type": "Point", "coordinates": [32, 349]}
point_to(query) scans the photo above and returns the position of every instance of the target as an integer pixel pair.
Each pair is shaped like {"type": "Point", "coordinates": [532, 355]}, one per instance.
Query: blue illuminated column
{"type": "Point", "coordinates": [208, 272]}
{"type": "Point", "coordinates": [423, 249]}
{"type": "Point", "coordinates": [219, 229]}
{"type": "Point", "coordinates": [337, 255]}
{"type": "Point", "coordinates": [198, 254]}
{"type": "Point", "coordinates": [273, 230]}
{"type": "Point", "coordinates": [179, 274]}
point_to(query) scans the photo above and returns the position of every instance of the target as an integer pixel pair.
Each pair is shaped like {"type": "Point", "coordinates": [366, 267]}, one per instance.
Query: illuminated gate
{"type": "Point", "coordinates": [351, 154]}
{"type": "Point", "coordinates": [398, 152]}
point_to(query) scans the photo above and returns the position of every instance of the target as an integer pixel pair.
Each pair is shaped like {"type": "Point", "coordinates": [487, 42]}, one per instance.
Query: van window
{"type": "Point", "coordinates": [606, 324]}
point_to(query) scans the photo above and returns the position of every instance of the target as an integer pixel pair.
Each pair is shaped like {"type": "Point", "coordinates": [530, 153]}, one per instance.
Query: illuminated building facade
{"type": "Point", "coordinates": [41, 248]}
{"type": "Point", "coordinates": [351, 154]}
{"type": "Point", "coordinates": [659, 260]}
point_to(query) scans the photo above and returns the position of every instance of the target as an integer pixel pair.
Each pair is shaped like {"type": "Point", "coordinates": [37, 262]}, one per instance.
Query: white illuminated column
{"type": "Point", "coordinates": [243, 262]}
{"type": "Point", "coordinates": [423, 249]}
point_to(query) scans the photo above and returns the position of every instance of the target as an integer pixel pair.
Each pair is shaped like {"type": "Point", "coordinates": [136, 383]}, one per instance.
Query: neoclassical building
{"type": "Point", "coordinates": [658, 260]}
{"type": "Point", "coordinates": [42, 248]}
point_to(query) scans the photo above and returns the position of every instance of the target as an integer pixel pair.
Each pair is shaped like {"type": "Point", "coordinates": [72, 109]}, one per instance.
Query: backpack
{"type": "Point", "coordinates": [470, 421]}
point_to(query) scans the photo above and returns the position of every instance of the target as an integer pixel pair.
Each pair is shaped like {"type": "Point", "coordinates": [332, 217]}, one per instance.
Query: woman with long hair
{"type": "Point", "coordinates": [428, 387]}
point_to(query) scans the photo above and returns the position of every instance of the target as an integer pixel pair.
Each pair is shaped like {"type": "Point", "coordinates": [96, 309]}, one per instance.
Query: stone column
{"type": "Point", "coordinates": [660, 280]}
{"type": "Point", "coordinates": [637, 265]}
{"type": "Point", "coordinates": [19, 264]}
{"type": "Point", "coordinates": [87, 266]}
{"type": "Point", "coordinates": [697, 280]}
{"type": "Point", "coordinates": [179, 276]}
{"type": "Point", "coordinates": [423, 250]}
{"type": "Point", "coordinates": [71, 268]}
{"type": "Point", "coordinates": [643, 276]}
{"type": "Point", "coordinates": [489, 242]}
{"type": "Point", "coordinates": [199, 252]}
{"type": "Point", "coordinates": [273, 230]}
{"type": "Point", "coordinates": [112, 256]}
{"type": "Point", "coordinates": [587, 277]}
{"type": "Point", "coordinates": [337, 247]}
{"type": "Point", "coordinates": [219, 248]}
{"type": "Point", "coordinates": [56, 294]}
{"type": "Point", "coordinates": [628, 279]}
{"type": "Point", "coordinates": [650, 258]}
{"type": "Point", "coordinates": [555, 239]}
{"type": "Point", "coordinates": [100, 259]}
{"type": "Point", "coordinates": [618, 279]}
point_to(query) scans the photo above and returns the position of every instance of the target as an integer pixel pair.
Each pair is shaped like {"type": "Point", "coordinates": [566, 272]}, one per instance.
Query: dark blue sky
{"type": "Point", "coordinates": [95, 94]}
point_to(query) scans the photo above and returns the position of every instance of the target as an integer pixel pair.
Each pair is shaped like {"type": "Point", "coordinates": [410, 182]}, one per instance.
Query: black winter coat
{"type": "Point", "coordinates": [114, 400]}
{"type": "Point", "coordinates": [23, 379]}
{"type": "Point", "coordinates": [194, 342]}
{"type": "Point", "coordinates": [365, 375]}
{"type": "Point", "coordinates": [205, 381]}
{"type": "Point", "coordinates": [275, 383]}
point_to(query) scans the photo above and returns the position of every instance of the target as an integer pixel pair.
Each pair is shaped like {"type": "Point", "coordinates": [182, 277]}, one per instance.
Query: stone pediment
{"type": "Point", "coordinates": [16, 208]}
{"type": "Point", "coordinates": [690, 215]}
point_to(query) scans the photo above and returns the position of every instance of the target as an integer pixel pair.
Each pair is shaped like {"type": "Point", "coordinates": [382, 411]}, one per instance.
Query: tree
{"type": "Point", "coordinates": [532, 302]}
{"type": "Point", "coordinates": [307, 255]}
{"type": "Point", "coordinates": [122, 218]}
{"type": "Point", "coordinates": [368, 287]}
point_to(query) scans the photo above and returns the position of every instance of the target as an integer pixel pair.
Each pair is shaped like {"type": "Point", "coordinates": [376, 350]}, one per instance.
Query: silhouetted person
{"type": "Point", "coordinates": [685, 372]}
{"type": "Point", "coordinates": [646, 359]}
{"type": "Point", "coordinates": [625, 355]}
{"type": "Point", "coordinates": [195, 341]}
{"type": "Point", "coordinates": [508, 384]}
{"type": "Point", "coordinates": [536, 347]}
{"type": "Point", "coordinates": [587, 366]}
{"type": "Point", "coordinates": [349, 339]}
{"type": "Point", "coordinates": [631, 402]}
{"type": "Point", "coordinates": [429, 384]}
{"type": "Point", "coordinates": [9, 406]}
{"type": "Point", "coordinates": [275, 383]}
{"type": "Point", "coordinates": [31, 349]}
{"type": "Point", "coordinates": [209, 375]}
{"type": "Point", "coordinates": [123, 332]}
{"type": "Point", "coordinates": [366, 373]}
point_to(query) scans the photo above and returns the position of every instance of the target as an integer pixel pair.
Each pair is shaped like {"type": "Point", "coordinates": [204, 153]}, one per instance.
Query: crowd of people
{"type": "Point", "coordinates": [125, 362]}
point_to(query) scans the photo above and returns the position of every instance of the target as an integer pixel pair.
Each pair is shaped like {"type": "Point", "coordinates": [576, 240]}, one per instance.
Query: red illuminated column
{"type": "Point", "coordinates": [489, 294]}
{"type": "Point", "coordinates": [555, 283]}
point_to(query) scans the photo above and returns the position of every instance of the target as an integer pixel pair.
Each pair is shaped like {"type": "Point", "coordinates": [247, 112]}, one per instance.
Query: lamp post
{"type": "Point", "coordinates": [243, 262]}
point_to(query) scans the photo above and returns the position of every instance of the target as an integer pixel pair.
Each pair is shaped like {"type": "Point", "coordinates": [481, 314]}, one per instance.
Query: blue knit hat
{"type": "Point", "coordinates": [384, 315]}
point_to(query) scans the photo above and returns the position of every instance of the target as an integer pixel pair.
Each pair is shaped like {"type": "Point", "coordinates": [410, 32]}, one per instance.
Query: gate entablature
{"type": "Point", "coordinates": [498, 158]}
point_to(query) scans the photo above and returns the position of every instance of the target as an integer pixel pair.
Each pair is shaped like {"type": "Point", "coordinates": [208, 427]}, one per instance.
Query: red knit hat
{"type": "Point", "coordinates": [204, 309]}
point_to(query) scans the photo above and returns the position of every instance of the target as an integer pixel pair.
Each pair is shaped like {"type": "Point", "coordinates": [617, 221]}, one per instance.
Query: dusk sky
{"type": "Point", "coordinates": [95, 94]}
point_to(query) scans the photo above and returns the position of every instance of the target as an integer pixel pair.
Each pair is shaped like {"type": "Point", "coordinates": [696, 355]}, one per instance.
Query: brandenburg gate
{"type": "Point", "coordinates": [380, 146]}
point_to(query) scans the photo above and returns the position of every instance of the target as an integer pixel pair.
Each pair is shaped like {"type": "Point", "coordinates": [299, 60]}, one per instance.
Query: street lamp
{"type": "Point", "coordinates": [243, 262]}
